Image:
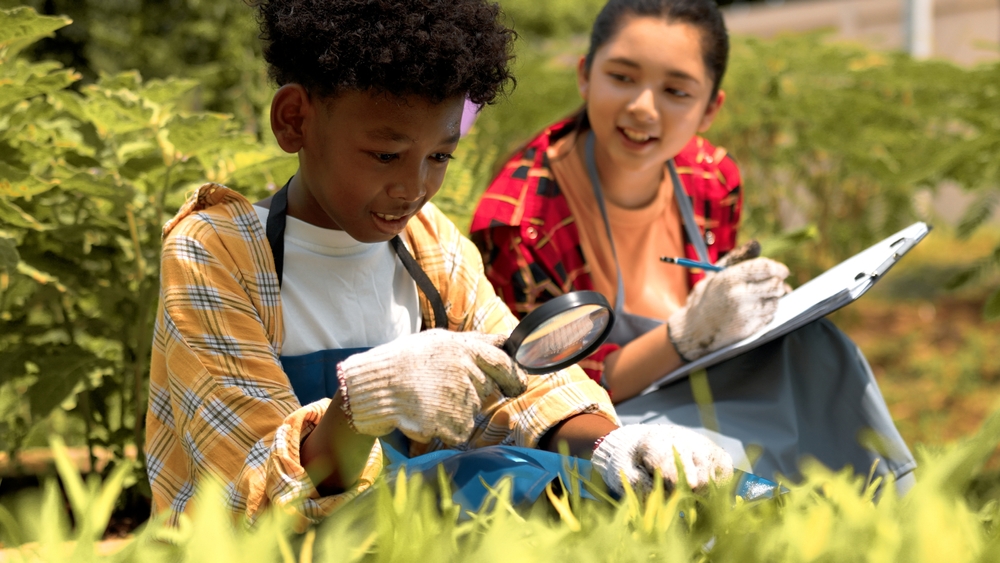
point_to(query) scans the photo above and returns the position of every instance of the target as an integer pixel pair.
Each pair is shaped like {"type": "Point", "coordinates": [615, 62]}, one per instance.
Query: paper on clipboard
{"type": "Point", "coordinates": [816, 298]}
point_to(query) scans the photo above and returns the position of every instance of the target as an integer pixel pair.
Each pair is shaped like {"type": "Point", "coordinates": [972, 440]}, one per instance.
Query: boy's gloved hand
{"type": "Point", "coordinates": [636, 452]}
{"type": "Point", "coordinates": [428, 385]}
{"type": "Point", "coordinates": [730, 305]}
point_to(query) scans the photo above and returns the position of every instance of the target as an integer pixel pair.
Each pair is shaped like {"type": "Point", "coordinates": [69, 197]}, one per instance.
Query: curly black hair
{"type": "Point", "coordinates": [436, 49]}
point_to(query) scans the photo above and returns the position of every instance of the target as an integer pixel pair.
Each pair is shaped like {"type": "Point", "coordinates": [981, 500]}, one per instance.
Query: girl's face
{"type": "Point", "coordinates": [648, 92]}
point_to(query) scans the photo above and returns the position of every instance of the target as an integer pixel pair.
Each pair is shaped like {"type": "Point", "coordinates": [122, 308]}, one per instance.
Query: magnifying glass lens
{"type": "Point", "coordinates": [563, 336]}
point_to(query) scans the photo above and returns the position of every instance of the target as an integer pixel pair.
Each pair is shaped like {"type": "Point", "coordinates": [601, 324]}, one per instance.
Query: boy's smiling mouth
{"type": "Point", "coordinates": [387, 217]}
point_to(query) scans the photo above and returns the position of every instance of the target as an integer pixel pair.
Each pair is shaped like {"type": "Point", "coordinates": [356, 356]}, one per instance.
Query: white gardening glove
{"type": "Point", "coordinates": [730, 305]}
{"type": "Point", "coordinates": [638, 451]}
{"type": "Point", "coordinates": [428, 385]}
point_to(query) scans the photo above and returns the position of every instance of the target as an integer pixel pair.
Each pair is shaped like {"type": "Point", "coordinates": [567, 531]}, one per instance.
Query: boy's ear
{"type": "Point", "coordinates": [582, 78]}
{"type": "Point", "coordinates": [712, 111]}
{"type": "Point", "coordinates": [289, 109]}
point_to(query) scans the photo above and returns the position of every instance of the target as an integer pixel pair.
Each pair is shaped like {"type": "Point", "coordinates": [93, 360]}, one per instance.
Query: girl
{"type": "Point", "coordinates": [594, 201]}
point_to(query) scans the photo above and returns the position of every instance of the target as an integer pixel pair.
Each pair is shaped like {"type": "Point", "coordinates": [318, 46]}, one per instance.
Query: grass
{"type": "Point", "coordinates": [829, 517]}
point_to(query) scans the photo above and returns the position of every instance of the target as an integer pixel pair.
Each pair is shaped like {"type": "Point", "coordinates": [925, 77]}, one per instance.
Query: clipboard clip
{"type": "Point", "coordinates": [902, 246]}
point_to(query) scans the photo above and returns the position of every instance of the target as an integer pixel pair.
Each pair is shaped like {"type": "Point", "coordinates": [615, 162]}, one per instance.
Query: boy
{"type": "Point", "coordinates": [293, 332]}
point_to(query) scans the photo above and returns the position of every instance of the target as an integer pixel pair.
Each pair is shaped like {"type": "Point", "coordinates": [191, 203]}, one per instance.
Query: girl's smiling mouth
{"type": "Point", "coordinates": [635, 137]}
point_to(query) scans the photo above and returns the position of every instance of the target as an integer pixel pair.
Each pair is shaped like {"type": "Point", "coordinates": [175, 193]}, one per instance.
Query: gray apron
{"type": "Point", "coordinates": [808, 394]}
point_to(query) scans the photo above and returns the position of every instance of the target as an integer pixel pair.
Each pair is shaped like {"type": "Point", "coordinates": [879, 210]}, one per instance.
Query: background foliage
{"type": "Point", "coordinates": [833, 141]}
{"type": "Point", "coordinates": [87, 179]}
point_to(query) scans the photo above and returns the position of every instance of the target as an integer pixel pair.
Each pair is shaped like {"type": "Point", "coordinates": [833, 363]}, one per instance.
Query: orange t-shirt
{"type": "Point", "coordinates": [652, 288]}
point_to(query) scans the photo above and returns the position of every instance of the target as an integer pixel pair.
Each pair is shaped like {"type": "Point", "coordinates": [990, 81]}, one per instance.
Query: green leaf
{"type": "Point", "coordinates": [992, 310]}
{"type": "Point", "coordinates": [203, 133]}
{"type": "Point", "coordinates": [91, 185]}
{"type": "Point", "coordinates": [16, 183]}
{"type": "Point", "coordinates": [40, 277]}
{"type": "Point", "coordinates": [23, 26]}
{"type": "Point", "coordinates": [167, 92]}
{"type": "Point", "coordinates": [26, 80]}
{"type": "Point", "coordinates": [8, 255]}
{"type": "Point", "coordinates": [60, 369]}
{"type": "Point", "coordinates": [115, 112]}
{"type": "Point", "coordinates": [15, 216]}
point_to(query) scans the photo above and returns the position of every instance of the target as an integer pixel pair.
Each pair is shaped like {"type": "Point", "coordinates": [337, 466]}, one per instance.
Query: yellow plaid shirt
{"type": "Point", "coordinates": [220, 405]}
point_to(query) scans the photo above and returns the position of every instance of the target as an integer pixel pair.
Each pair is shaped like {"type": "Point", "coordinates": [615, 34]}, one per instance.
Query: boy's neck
{"type": "Point", "coordinates": [302, 206]}
{"type": "Point", "coordinates": [625, 188]}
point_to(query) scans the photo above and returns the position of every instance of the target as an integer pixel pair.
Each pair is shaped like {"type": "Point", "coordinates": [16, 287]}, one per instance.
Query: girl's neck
{"type": "Point", "coordinates": [624, 188]}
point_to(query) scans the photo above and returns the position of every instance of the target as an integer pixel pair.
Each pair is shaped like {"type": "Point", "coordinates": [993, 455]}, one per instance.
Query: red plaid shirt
{"type": "Point", "coordinates": [529, 238]}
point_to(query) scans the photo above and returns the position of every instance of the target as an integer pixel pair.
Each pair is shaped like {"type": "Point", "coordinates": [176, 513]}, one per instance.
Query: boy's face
{"type": "Point", "coordinates": [368, 163]}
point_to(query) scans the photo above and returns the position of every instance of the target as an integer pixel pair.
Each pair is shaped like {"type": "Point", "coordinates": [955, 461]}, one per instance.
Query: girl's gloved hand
{"type": "Point", "coordinates": [730, 305]}
{"type": "Point", "coordinates": [428, 385]}
{"type": "Point", "coordinates": [637, 452]}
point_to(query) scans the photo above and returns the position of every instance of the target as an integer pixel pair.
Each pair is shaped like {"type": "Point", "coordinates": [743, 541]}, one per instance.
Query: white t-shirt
{"type": "Point", "coordinates": [337, 292]}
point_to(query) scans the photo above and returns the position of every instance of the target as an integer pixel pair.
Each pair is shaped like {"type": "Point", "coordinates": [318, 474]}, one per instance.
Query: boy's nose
{"type": "Point", "coordinates": [410, 186]}
{"type": "Point", "coordinates": [643, 107]}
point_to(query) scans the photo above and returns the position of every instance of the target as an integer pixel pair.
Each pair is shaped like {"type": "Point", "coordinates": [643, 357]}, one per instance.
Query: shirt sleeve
{"type": "Point", "coordinates": [221, 408]}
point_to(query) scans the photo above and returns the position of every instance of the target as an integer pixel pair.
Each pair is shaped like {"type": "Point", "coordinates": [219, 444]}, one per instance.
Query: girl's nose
{"type": "Point", "coordinates": [643, 107]}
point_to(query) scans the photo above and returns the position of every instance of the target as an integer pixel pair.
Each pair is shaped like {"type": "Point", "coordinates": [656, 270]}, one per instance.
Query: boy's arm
{"type": "Point", "coordinates": [333, 454]}
{"type": "Point", "coordinates": [220, 403]}
{"type": "Point", "coordinates": [580, 433]}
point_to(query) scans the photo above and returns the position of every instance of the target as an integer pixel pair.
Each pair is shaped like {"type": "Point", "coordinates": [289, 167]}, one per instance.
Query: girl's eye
{"type": "Point", "coordinates": [385, 157]}
{"type": "Point", "coordinates": [678, 93]}
{"type": "Point", "coordinates": [619, 77]}
{"type": "Point", "coordinates": [442, 157]}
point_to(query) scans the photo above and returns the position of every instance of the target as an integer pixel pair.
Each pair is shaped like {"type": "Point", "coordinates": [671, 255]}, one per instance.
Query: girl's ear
{"type": "Point", "coordinates": [582, 78]}
{"type": "Point", "coordinates": [711, 111]}
{"type": "Point", "coordinates": [290, 109]}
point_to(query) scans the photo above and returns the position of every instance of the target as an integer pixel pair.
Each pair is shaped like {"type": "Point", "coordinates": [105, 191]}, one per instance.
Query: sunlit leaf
{"type": "Point", "coordinates": [13, 215]}
{"type": "Point", "coordinates": [15, 183]}
{"type": "Point", "coordinates": [20, 27]}
{"type": "Point", "coordinates": [203, 133]}
{"type": "Point", "coordinates": [167, 92]}
{"type": "Point", "coordinates": [22, 81]}
{"type": "Point", "coordinates": [93, 186]}
{"type": "Point", "coordinates": [40, 277]}
{"type": "Point", "coordinates": [115, 112]}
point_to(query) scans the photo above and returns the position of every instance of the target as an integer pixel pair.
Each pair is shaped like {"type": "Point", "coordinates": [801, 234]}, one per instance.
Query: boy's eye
{"type": "Point", "coordinates": [619, 77]}
{"type": "Point", "coordinates": [385, 157]}
{"type": "Point", "coordinates": [678, 93]}
{"type": "Point", "coordinates": [441, 157]}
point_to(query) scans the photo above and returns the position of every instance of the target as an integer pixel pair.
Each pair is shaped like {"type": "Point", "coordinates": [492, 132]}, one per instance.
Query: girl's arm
{"type": "Point", "coordinates": [629, 370]}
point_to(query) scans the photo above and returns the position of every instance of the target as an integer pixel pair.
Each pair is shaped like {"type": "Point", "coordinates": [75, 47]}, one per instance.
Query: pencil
{"type": "Point", "coordinates": [690, 263]}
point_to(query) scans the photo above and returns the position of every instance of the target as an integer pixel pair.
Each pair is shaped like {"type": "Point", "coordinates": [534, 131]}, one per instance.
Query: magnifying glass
{"type": "Point", "coordinates": [561, 332]}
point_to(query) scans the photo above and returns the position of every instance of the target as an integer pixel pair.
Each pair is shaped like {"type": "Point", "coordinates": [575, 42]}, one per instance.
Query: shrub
{"type": "Point", "coordinates": [87, 179]}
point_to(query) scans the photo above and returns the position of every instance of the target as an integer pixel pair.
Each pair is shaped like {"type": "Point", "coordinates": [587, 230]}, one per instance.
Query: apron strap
{"type": "Point", "coordinates": [275, 230]}
{"type": "Point", "coordinates": [595, 184]}
{"type": "Point", "coordinates": [423, 282]}
{"type": "Point", "coordinates": [687, 214]}
{"type": "Point", "coordinates": [683, 202]}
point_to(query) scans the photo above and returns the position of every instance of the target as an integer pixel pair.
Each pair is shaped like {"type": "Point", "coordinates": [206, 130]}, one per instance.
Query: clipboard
{"type": "Point", "coordinates": [816, 298]}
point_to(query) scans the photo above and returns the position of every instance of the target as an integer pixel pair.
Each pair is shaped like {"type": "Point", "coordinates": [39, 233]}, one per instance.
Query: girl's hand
{"type": "Point", "coordinates": [730, 305]}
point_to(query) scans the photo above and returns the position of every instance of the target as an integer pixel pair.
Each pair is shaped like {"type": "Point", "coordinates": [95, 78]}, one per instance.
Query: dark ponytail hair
{"type": "Point", "coordinates": [701, 14]}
